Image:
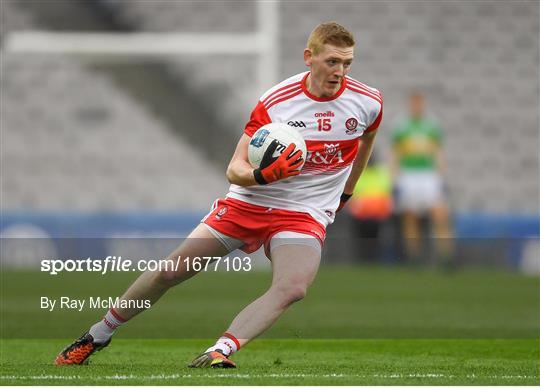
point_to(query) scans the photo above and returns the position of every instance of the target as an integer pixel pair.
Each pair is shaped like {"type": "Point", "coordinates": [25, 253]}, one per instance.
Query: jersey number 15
{"type": "Point", "coordinates": [324, 124]}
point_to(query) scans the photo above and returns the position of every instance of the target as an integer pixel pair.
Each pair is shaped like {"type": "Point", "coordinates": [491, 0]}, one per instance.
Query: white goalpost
{"type": "Point", "coordinates": [263, 43]}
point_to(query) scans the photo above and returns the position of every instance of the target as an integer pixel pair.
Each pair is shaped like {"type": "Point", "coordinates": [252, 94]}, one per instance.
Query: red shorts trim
{"type": "Point", "coordinates": [255, 225]}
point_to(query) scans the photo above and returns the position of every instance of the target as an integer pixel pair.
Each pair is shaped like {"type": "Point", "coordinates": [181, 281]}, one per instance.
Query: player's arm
{"type": "Point", "coordinates": [394, 161]}
{"type": "Point", "coordinates": [440, 161]}
{"type": "Point", "coordinates": [365, 147]}
{"type": "Point", "coordinates": [240, 172]}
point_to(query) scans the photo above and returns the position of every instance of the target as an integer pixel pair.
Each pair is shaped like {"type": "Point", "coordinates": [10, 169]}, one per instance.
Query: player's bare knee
{"type": "Point", "coordinates": [295, 294]}
{"type": "Point", "coordinates": [291, 293]}
{"type": "Point", "coordinates": [168, 277]}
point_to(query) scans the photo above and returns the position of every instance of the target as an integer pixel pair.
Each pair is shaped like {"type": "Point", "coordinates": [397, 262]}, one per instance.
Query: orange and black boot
{"type": "Point", "coordinates": [79, 351]}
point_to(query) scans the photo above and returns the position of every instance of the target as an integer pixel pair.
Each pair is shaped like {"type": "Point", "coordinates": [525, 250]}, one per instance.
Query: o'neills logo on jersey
{"type": "Point", "coordinates": [328, 113]}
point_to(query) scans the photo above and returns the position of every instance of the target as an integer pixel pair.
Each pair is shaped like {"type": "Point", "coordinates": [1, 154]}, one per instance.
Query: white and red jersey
{"type": "Point", "coordinates": [331, 128]}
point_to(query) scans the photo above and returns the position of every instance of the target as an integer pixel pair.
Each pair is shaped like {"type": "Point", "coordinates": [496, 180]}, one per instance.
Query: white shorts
{"type": "Point", "coordinates": [418, 191]}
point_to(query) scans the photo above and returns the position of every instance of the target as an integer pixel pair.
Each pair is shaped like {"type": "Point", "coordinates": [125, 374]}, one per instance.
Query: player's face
{"type": "Point", "coordinates": [416, 105]}
{"type": "Point", "coordinates": [328, 69]}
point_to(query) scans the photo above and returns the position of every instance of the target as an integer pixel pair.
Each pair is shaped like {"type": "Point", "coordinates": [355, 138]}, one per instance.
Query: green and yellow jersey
{"type": "Point", "coordinates": [417, 142]}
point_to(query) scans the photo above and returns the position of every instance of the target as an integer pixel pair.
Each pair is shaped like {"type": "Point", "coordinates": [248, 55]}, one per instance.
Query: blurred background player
{"type": "Point", "coordinates": [339, 117]}
{"type": "Point", "coordinates": [418, 168]}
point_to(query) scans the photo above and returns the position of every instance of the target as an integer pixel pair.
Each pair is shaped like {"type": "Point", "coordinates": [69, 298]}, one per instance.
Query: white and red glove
{"type": "Point", "coordinates": [284, 166]}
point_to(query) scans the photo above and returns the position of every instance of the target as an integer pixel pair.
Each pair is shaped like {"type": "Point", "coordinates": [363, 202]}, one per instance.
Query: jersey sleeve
{"type": "Point", "coordinates": [259, 117]}
{"type": "Point", "coordinates": [378, 117]}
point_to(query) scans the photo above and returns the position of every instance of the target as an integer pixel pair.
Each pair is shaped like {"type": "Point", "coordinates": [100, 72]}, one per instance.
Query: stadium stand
{"type": "Point", "coordinates": [227, 82]}
{"type": "Point", "coordinates": [73, 140]}
{"type": "Point", "coordinates": [477, 62]}
{"type": "Point", "coordinates": [91, 146]}
{"type": "Point", "coordinates": [463, 75]}
{"type": "Point", "coordinates": [195, 16]}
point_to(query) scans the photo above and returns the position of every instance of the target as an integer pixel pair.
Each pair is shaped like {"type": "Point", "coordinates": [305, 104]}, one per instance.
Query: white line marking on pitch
{"type": "Point", "coordinates": [254, 376]}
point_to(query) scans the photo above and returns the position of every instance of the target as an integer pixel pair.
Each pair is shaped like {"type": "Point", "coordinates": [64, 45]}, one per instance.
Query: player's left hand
{"type": "Point", "coordinates": [285, 166]}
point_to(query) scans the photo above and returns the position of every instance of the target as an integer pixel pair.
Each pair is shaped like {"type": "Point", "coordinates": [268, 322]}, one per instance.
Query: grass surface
{"type": "Point", "coordinates": [359, 302]}
{"type": "Point", "coordinates": [358, 326]}
{"type": "Point", "coordinates": [284, 362]}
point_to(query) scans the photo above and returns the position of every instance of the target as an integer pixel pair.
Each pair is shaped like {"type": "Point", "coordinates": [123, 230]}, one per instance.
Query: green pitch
{"type": "Point", "coordinates": [357, 326]}
{"type": "Point", "coordinates": [284, 362]}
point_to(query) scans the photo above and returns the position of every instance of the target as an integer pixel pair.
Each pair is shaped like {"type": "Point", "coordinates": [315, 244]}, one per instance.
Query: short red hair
{"type": "Point", "coordinates": [329, 33]}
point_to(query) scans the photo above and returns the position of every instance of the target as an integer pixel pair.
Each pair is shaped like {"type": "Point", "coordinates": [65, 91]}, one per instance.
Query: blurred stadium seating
{"type": "Point", "coordinates": [75, 139]}
{"type": "Point", "coordinates": [478, 63]}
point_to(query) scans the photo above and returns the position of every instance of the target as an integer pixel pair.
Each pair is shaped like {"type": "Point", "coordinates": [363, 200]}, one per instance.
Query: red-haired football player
{"type": "Point", "coordinates": [274, 206]}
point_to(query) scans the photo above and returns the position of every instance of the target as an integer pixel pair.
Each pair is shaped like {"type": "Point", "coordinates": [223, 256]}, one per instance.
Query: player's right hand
{"type": "Point", "coordinates": [285, 166]}
{"type": "Point", "coordinates": [343, 200]}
